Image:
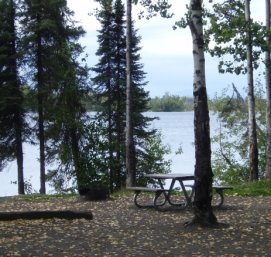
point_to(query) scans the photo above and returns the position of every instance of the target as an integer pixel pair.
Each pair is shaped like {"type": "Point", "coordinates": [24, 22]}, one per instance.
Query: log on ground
{"type": "Point", "coordinates": [32, 215]}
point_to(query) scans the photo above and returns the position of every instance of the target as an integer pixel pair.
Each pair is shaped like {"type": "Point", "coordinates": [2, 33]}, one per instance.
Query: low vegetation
{"type": "Point", "coordinates": [259, 188]}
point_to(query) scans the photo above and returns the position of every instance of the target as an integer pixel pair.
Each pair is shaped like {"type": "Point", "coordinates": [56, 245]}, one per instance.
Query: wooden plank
{"type": "Point", "coordinates": [222, 187]}
{"type": "Point", "coordinates": [147, 189]}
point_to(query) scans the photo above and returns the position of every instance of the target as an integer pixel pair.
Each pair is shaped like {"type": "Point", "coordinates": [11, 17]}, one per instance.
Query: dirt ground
{"type": "Point", "coordinates": [120, 229]}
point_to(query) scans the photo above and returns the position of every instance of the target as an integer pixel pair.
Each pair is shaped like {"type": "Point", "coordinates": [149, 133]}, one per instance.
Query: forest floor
{"type": "Point", "coordinates": [120, 229]}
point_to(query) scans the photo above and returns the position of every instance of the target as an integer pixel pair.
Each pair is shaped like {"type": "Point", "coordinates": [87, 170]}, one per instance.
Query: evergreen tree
{"type": "Point", "coordinates": [110, 87]}
{"type": "Point", "coordinates": [36, 35]}
{"type": "Point", "coordinates": [11, 99]}
{"type": "Point", "coordinates": [50, 41]}
{"type": "Point", "coordinates": [103, 81]}
{"type": "Point", "coordinates": [65, 132]}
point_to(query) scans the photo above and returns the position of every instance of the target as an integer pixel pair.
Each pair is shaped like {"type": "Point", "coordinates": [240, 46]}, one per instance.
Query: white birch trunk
{"type": "Point", "coordinates": [203, 171]}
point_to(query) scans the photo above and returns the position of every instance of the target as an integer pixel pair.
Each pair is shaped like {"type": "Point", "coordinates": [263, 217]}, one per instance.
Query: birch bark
{"type": "Point", "coordinates": [203, 171]}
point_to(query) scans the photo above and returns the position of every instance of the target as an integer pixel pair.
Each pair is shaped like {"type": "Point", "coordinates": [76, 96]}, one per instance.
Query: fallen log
{"type": "Point", "coordinates": [33, 215]}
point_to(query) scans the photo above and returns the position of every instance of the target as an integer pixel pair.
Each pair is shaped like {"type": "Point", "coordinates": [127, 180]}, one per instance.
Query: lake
{"type": "Point", "coordinates": [176, 128]}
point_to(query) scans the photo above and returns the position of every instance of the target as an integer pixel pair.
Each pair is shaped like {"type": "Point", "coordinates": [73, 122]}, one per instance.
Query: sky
{"type": "Point", "coordinates": [166, 53]}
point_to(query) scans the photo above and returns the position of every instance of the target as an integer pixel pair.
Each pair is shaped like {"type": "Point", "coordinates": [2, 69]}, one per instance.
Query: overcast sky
{"type": "Point", "coordinates": [166, 53]}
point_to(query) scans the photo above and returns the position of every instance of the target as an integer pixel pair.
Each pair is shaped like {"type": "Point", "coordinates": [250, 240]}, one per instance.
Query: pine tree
{"type": "Point", "coordinates": [110, 85]}
{"type": "Point", "coordinates": [65, 132]}
{"type": "Point", "coordinates": [11, 101]}
{"type": "Point", "coordinates": [103, 81]}
{"type": "Point", "coordinates": [51, 51]}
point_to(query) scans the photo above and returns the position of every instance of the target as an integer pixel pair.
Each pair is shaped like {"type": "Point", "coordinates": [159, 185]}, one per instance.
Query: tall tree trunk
{"type": "Point", "coordinates": [40, 110]}
{"type": "Point", "coordinates": [19, 153]}
{"type": "Point", "coordinates": [18, 114]}
{"type": "Point", "coordinates": [203, 171]}
{"type": "Point", "coordinates": [119, 135]}
{"type": "Point", "coordinates": [80, 175]}
{"type": "Point", "coordinates": [268, 93]}
{"type": "Point", "coordinates": [253, 146]}
{"type": "Point", "coordinates": [130, 151]}
{"type": "Point", "coordinates": [110, 139]}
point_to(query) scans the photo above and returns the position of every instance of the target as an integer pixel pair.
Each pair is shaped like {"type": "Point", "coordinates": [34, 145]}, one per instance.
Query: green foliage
{"type": "Point", "coordinates": [34, 197]}
{"type": "Point", "coordinates": [152, 159]}
{"type": "Point", "coordinates": [225, 36]}
{"type": "Point", "coordinates": [52, 56]}
{"type": "Point", "coordinates": [13, 128]}
{"type": "Point", "coordinates": [152, 7]}
{"type": "Point", "coordinates": [259, 188]}
{"type": "Point", "coordinates": [230, 158]}
{"type": "Point", "coordinates": [109, 88]}
{"type": "Point", "coordinates": [171, 103]}
{"type": "Point", "coordinates": [255, 189]}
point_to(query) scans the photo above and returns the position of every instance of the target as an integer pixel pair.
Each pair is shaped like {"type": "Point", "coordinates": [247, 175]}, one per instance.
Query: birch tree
{"type": "Point", "coordinates": [240, 39]}
{"type": "Point", "coordinates": [203, 171]}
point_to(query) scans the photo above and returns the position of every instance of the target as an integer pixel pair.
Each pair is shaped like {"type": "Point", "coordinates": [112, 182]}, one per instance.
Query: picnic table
{"type": "Point", "coordinates": [168, 196]}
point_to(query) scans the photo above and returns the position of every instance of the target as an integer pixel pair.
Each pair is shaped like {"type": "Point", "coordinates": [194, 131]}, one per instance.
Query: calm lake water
{"type": "Point", "coordinates": [176, 128]}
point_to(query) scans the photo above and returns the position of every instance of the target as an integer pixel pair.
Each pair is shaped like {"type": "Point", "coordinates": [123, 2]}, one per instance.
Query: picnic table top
{"type": "Point", "coordinates": [182, 176]}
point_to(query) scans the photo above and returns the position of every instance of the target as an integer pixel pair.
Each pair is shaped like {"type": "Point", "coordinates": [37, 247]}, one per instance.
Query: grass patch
{"type": "Point", "coordinates": [259, 188]}
{"type": "Point", "coordinates": [31, 197]}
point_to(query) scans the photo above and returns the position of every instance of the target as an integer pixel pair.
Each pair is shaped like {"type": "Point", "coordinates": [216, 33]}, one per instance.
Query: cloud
{"type": "Point", "coordinates": [82, 13]}
{"type": "Point", "coordinates": [166, 54]}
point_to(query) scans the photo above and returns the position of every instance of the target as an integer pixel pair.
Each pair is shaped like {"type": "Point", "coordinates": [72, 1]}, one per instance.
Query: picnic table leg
{"type": "Point", "coordinates": [187, 197]}
{"type": "Point", "coordinates": [155, 202]}
{"type": "Point", "coordinates": [135, 199]}
{"type": "Point", "coordinates": [157, 197]}
{"type": "Point", "coordinates": [218, 202]}
{"type": "Point", "coordinates": [166, 195]}
{"type": "Point", "coordinates": [181, 204]}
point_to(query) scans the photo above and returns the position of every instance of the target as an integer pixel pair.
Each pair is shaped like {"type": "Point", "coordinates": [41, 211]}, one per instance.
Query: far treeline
{"type": "Point", "coordinates": [171, 103]}
{"type": "Point", "coordinates": [166, 103]}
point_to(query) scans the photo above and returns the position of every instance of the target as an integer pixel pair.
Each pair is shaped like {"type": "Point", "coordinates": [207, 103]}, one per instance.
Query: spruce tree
{"type": "Point", "coordinates": [52, 52]}
{"type": "Point", "coordinates": [11, 99]}
{"type": "Point", "coordinates": [104, 84]}
{"type": "Point", "coordinates": [110, 87]}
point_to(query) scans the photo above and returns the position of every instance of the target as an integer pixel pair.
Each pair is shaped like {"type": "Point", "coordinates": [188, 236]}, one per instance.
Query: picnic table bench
{"type": "Point", "coordinates": [218, 194]}
{"type": "Point", "coordinates": [219, 189]}
{"type": "Point", "coordinates": [157, 193]}
{"type": "Point", "coordinates": [162, 195]}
